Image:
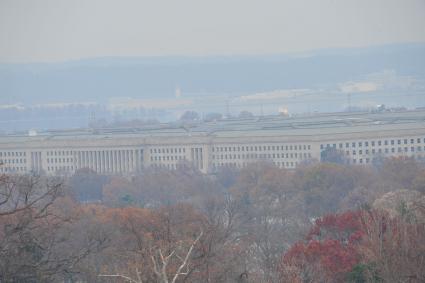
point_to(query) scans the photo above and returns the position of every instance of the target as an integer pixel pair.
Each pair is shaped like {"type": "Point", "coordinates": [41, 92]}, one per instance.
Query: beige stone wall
{"type": "Point", "coordinates": [127, 155]}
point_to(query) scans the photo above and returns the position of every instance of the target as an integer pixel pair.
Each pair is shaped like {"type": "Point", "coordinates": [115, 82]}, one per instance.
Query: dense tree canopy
{"type": "Point", "coordinates": [323, 222]}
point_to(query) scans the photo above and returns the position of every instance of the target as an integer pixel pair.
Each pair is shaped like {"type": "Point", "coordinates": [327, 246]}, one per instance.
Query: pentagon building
{"type": "Point", "coordinates": [287, 142]}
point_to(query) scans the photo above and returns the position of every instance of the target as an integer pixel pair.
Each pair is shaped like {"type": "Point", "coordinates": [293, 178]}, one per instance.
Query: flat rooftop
{"type": "Point", "coordinates": [314, 124]}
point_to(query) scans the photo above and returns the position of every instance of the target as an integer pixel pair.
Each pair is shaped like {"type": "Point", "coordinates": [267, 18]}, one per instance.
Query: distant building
{"type": "Point", "coordinates": [285, 141]}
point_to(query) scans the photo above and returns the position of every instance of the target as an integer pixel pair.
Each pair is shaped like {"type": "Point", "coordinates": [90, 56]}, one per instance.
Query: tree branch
{"type": "Point", "coordinates": [184, 263]}
{"type": "Point", "coordinates": [120, 276]}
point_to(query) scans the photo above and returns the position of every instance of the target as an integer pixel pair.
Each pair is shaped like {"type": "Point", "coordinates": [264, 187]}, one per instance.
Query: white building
{"type": "Point", "coordinates": [233, 142]}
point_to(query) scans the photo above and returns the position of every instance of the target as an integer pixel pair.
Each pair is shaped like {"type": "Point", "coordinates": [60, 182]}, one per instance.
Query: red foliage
{"type": "Point", "coordinates": [332, 257]}
{"type": "Point", "coordinates": [330, 250]}
{"type": "Point", "coordinates": [344, 227]}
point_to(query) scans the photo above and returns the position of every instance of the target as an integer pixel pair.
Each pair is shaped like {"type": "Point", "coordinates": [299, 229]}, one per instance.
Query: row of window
{"type": "Point", "coordinates": [167, 166]}
{"type": "Point", "coordinates": [59, 153]}
{"type": "Point", "coordinates": [106, 153]}
{"type": "Point", "coordinates": [260, 148]}
{"type": "Point", "coordinates": [167, 158]}
{"type": "Point", "coordinates": [387, 150]}
{"type": "Point", "coordinates": [12, 153]}
{"type": "Point", "coordinates": [167, 150]}
{"type": "Point", "coordinates": [58, 160]}
{"type": "Point", "coordinates": [13, 161]}
{"type": "Point", "coordinates": [12, 169]}
{"type": "Point", "coordinates": [300, 155]}
{"type": "Point", "coordinates": [364, 161]}
{"type": "Point", "coordinates": [288, 164]}
{"type": "Point", "coordinates": [374, 143]}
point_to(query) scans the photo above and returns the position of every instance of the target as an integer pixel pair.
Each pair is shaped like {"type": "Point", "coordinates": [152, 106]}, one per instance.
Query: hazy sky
{"type": "Point", "coordinates": [56, 30]}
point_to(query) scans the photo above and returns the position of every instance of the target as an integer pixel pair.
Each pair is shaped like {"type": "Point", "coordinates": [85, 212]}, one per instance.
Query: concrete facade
{"type": "Point", "coordinates": [286, 142]}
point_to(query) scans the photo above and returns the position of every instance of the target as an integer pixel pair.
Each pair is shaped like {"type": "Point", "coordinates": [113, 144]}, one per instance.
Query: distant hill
{"type": "Point", "coordinates": [99, 79]}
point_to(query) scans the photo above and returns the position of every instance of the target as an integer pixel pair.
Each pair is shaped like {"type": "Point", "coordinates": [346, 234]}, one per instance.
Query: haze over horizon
{"type": "Point", "coordinates": [56, 31]}
{"type": "Point", "coordinates": [121, 60]}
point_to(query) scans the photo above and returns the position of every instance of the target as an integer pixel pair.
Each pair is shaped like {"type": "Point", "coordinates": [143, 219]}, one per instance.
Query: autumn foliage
{"type": "Point", "coordinates": [360, 246]}
{"type": "Point", "coordinates": [319, 223]}
{"type": "Point", "coordinates": [329, 252]}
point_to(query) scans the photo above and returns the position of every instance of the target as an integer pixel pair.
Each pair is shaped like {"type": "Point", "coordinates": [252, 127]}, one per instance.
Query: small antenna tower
{"type": "Point", "coordinates": [227, 107]}
{"type": "Point", "coordinates": [349, 101]}
{"type": "Point", "coordinates": [92, 117]}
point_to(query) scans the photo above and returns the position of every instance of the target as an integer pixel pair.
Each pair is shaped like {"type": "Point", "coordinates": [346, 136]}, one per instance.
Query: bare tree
{"type": "Point", "coordinates": [35, 231]}
{"type": "Point", "coordinates": [20, 193]}
{"type": "Point", "coordinates": [161, 264]}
